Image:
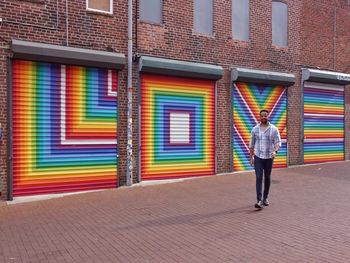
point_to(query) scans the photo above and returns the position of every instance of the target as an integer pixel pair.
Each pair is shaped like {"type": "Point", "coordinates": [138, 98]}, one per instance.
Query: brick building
{"type": "Point", "coordinates": [201, 72]}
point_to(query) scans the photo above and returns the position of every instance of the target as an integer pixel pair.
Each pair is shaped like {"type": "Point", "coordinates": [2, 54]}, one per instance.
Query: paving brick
{"type": "Point", "coordinates": [209, 219]}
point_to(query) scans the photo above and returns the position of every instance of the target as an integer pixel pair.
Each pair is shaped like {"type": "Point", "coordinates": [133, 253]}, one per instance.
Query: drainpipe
{"type": "Point", "coordinates": [335, 39]}
{"type": "Point", "coordinates": [67, 24]}
{"type": "Point", "coordinates": [129, 167]}
{"type": "Point", "coordinates": [0, 159]}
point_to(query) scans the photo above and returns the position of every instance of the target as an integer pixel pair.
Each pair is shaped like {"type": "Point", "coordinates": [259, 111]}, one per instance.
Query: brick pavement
{"type": "Point", "coordinates": [209, 219]}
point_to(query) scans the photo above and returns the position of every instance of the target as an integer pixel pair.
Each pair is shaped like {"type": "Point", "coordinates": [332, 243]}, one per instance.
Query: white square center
{"type": "Point", "coordinates": [179, 128]}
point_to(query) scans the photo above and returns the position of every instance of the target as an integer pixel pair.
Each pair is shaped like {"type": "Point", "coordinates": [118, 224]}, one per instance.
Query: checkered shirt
{"type": "Point", "coordinates": [265, 141]}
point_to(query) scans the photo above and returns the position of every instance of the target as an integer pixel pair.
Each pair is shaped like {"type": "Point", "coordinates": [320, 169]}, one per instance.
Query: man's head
{"type": "Point", "coordinates": [264, 116]}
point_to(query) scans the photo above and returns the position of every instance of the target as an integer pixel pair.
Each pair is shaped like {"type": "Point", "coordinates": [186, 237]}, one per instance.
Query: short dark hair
{"type": "Point", "coordinates": [264, 110]}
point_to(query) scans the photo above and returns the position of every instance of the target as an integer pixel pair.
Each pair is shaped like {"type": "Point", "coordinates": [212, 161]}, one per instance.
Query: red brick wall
{"type": "Point", "coordinates": [318, 37]}
{"type": "Point", "coordinates": [36, 20]}
{"type": "Point", "coordinates": [325, 34]}
{"type": "Point", "coordinates": [325, 43]}
{"type": "Point", "coordinates": [3, 116]}
{"type": "Point", "coordinates": [175, 39]}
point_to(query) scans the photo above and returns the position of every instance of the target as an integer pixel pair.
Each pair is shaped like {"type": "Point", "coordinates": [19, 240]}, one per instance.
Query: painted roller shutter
{"type": "Point", "coordinates": [248, 99]}
{"type": "Point", "coordinates": [177, 127]}
{"type": "Point", "coordinates": [64, 128]}
{"type": "Point", "coordinates": [323, 122]}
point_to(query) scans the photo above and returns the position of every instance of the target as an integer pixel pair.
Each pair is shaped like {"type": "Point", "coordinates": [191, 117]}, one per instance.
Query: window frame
{"type": "Point", "coordinates": [110, 12]}
{"type": "Point", "coordinates": [287, 25]}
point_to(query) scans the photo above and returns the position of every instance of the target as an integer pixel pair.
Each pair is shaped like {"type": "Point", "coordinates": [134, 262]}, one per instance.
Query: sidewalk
{"type": "Point", "coordinates": [209, 219]}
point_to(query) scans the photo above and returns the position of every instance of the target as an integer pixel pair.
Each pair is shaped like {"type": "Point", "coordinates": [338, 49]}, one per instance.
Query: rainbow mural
{"type": "Point", "coordinates": [323, 124]}
{"type": "Point", "coordinates": [167, 102]}
{"type": "Point", "coordinates": [64, 128]}
{"type": "Point", "coordinates": [248, 100]}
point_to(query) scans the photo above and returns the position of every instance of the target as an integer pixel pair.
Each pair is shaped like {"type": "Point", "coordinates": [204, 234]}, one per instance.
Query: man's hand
{"type": "Point", "coordinates": [273, 155]}
{"type": "Point", "coordinates": [251, 155]}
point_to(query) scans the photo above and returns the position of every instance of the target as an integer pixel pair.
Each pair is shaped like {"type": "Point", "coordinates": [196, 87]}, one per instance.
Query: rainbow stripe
{"type": "Point", "coordinates": [248, 100]}
{"type": "Point", "coordinates": [161, 96]}
{"type": "Point", "coordinates": [64, 128]}
{"type": "Point", "coordinates": [323, 124]}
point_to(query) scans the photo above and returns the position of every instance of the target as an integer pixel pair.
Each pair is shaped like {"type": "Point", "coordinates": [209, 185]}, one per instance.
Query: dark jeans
{"type": "Point", "coordinates": [263, 167]}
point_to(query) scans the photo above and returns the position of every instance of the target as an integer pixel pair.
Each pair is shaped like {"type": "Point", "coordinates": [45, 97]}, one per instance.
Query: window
{"type": "Point", "coordinates": [203, 16]}
{"type": "Point", "coordinates": [103, 6]}
{"type": "Point", "coordinates": [279, 24]}
{"type": "Point", "coordinates": [151, 11]}
{"type": "Point", "coordinates": [240, 19]}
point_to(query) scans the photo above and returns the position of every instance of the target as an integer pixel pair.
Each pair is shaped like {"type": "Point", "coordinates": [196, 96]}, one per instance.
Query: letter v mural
{"type": "Point", "coordinates": [260, 90]}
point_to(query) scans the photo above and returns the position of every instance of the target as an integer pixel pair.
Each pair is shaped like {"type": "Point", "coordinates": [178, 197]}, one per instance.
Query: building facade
{"type": "Point", "coordinates": [202, 70]}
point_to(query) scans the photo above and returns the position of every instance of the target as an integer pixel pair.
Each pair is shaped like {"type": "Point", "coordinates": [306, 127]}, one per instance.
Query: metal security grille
{"type": "Point", "coordinates": [323, 122]}
{"type": "Point", "coordinates": [248, 99]}
{"type": "Point", "coordinates": [177, 127]}
{"type": "Point", "coordinates": [64, 128]}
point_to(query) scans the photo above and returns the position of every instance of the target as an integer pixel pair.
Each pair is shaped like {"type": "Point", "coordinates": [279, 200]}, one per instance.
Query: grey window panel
{"type": "Point", "coordinates": [240, 19]}
{"type": "Point", "coordinates": [280, 24]}
{"type": "Point", "coordinates": [151, 11]}
{"type": "Point", "coordinates": [203, 16]}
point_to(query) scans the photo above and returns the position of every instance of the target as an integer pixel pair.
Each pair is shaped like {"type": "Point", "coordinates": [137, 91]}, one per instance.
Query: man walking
{"type": "Point", "coordinates": [265, 141]}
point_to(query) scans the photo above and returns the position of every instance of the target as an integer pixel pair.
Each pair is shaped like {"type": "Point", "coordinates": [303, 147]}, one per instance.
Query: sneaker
{"type": "Point", "coordinates": [259, 205]}
{"type": "Point", "coordinates": [266, 202]}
